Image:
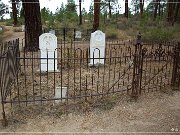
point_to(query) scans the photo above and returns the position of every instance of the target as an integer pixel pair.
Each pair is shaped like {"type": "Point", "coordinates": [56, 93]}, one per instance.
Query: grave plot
{"type": "Point", "coordinates": [64, 74]}
{"type": "Point", "coordinates": [75, 74]}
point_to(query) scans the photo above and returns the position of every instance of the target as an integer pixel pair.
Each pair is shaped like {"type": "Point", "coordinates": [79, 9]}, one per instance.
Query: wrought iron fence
{"type": "Point", "coordinates": [129, 67]}
{"type": "Point", "coordinates": [9, 67]}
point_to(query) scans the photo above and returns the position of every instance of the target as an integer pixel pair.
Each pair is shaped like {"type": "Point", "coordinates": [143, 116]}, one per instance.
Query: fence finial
{"type": "Point", "coordinates": [139, 38]}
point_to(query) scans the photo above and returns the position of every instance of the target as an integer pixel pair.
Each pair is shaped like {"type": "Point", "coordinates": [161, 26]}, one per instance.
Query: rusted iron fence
{"type": "Point", "coordinates": [9, 67]}
{"type": "Point", "coordinates": [129, 67]}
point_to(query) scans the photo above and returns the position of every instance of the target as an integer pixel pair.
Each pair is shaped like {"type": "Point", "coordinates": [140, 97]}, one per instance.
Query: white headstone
{"type": "Point", "coordinates": [48, 45]}
{"type": "Point", "coordinates": [23, 27]}
{"type": "Point", "coordinates": [97, 47]}
{"type": "Point", "coordinates": [52, 32]}
{"type": "Point", "coordinates": [1, 29]}
{"type": "Point", "coordinates": [60, 92]}
{"type": "Point", "coordinates": [78, 34]}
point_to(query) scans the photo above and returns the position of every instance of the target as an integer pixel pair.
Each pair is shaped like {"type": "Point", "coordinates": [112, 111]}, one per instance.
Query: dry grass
{"type": "Point", "coordinates": [153, 112]}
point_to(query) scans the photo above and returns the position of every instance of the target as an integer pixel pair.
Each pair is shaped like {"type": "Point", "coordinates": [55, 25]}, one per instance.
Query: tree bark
{"type": "Point", "coordinates": [176, 11]}
{"type": "Point", "coordinates": [141, 8]}
{"type": "Point", "coordinates": [159, 8]}
{"type": "Point", "coordinates": [126, 9]}
{"type": "Point", "coordinates": [33, 26]}
{"type": "Point", "coordinates": [80, 13]}
{"type": "Point", "coordinates": [109, 5]}
{"type": "Point", "coordinates": [170, 11]}
{"type": "Point", "coordinates": [96, 14]}
{"type": "Point", "coordinates": [155, 9]}
{"type": "Point", "coordinates": [14, 12]}
{"type": "Point", "coordinates": [136, 7]}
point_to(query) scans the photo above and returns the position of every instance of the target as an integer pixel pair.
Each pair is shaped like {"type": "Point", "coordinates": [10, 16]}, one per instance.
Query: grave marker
{"type": "Point", "coordinates": [1, 29]}
{"type": "Point", "coordinates": [78, 34]}
{"type": "Point", "coordinates": [60, 92]}
{"type": "Point", "coordinates": [52, 32]}
{"type": "Point", "coordinates": [48, 45]}
{"type": "Point", "coordinates": [23, 28]}
{"type": "Point", "coordinates": [97, 47]}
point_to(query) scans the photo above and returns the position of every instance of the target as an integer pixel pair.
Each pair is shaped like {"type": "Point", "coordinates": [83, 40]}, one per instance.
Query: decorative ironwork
{"type": "Point", "coordinates": [159, 52]}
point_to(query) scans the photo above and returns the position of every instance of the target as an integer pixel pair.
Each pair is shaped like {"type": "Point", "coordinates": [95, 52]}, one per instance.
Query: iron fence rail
{"type": "Point", "coordinates": [128, 68]}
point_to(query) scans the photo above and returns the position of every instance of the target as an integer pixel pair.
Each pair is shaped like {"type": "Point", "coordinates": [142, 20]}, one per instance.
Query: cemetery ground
{"type": "Point", "coordinates": [156, 111]}
{"type": "Point", "coordinates": [152, 112]}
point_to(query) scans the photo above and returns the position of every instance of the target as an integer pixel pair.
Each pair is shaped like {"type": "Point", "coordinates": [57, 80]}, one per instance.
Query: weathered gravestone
{"type": "Point", "coordinates": [23, 28]}
{"type": "Point", "coordinates": [78, 34]}
{"type": "Point", "coordinates": [60, 92]}
{"type": "Point", "coordinates": [48, 45]}
{"type": "Point", "coordinates": [1, 29]}
{"type": "Point", "coordinates": [52, 32]}
{"type": "Point", "coordinates": [97, 48]}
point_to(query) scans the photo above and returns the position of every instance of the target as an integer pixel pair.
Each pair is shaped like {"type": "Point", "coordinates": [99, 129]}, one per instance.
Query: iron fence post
{"type": "Point", "coordinates": [74, 36]}
{"type": "Point", "coordinates": [137, 69]}
{"type": "Point", "coordinates": [175, 80]}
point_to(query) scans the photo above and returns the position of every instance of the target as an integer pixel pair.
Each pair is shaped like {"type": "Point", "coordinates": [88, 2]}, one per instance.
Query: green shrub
{"type": "Point", "coordinates": [157, 34]}
{"type": "Point", "coordinates": [9, 22]}
{"type": "Point", "coordinates": [111, 32]}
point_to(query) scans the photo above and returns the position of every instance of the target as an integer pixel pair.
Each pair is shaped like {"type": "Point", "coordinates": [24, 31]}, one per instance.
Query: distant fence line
{"type": "Point", "coordinates": [71, 33]}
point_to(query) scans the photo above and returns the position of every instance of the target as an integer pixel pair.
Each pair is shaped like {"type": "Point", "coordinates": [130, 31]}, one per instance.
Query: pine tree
{"type": "Point", "coordinates": [96, 14]}
{"type": "Point", "coordinates": [3, 9]}
{"type": "Point", "coordinates": [33, 26]}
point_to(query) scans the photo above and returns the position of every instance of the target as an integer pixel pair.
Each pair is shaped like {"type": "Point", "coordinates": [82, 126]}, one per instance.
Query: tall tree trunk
{"type": "Point", "coordinates": [155, 9]}
{"type": "Point", "coordinates": [33, 26]}
{"type": "Point", "coordinates": [170, 11]}
{"type": "Point", "coordinates": [96, 14]}
{"type": "Point", "coordinates": [80, 13]}
{"type": "Point", "coordinates": [14, 12]}
{"type": "Point", "coordinates": [159, 8]}
{"type": "Point", "coordinates": [109, 5]}
{"type": "Point", "coordinates": [136, 7]}
{"type": "Point", "coordinates": [126, 9]}
{"type": "Point", "coordinates": [141, 8]}
{"type": "Point", "coordinates": [176, 11]}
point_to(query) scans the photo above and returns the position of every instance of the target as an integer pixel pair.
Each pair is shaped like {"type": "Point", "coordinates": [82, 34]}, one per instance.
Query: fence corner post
{"type": "Point", "coordinates": [175, 80]}
{"type": "Point", "coordinates": [137, 69]}
{"type": "Point", "coordinates": [4, 120]}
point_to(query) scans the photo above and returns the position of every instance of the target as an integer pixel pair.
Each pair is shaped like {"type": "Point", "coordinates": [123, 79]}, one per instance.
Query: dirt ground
{"type": "Point", "coordinates": [11, 33]}
{"type": "Point", "coordinates": [153, 113]}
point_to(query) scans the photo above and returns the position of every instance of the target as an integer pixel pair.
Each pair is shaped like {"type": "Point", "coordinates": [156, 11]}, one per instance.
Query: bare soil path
{"type": "Point", "coordinates": [12, 33]}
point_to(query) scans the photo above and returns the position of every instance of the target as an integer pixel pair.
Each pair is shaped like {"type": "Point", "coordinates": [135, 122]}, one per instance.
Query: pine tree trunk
{"type": "Point", "coordinates": [80, 13]}
{"type": "Point", "coordinates": [176, 11]}
{"type": "Point", "coordinates": [126, 9]}
{"type": "Point", "coordinates": [96, 14]}
{"type": "Point", "coordinates": [136, 7]}
{"type": "Point", "coordinates": [155, 9]}
{"type": "Point", "coordinates": [141, 8]}
{"type": "Point", "coordinates": [109, 4]}
{"type": "Point", "coordinates": [33, 26]}
{"type": "Point", "coordinates": [159, 8]}
{"type": "Point", "coordinates": [170, 11]}
{"type": "Point", "coordinates": [14, 12]}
